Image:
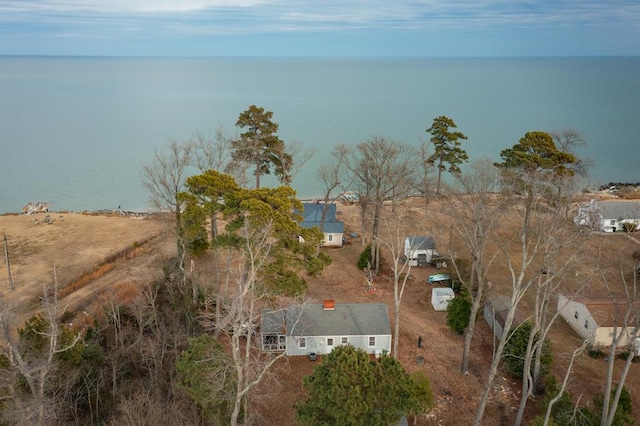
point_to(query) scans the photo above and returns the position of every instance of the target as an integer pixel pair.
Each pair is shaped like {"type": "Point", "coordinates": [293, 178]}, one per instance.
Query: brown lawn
{"type": "Point", "coordinates": [77, 245]}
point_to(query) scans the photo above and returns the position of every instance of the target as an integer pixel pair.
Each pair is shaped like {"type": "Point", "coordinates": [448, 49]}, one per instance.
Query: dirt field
{"type": "Point", "coordinates": [77, 245]}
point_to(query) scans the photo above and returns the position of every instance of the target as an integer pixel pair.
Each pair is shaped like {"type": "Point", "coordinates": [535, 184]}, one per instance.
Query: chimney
{"type": "Point", "coordinates": [329, 305]}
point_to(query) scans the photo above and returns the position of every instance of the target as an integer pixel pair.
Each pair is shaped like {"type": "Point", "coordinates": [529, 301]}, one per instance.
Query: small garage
{"type": "Point", "coordinates": [440, 297]}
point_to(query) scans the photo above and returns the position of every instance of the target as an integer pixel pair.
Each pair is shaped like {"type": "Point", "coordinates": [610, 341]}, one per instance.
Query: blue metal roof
{"type": "Point", "coordinates": [312, 214]}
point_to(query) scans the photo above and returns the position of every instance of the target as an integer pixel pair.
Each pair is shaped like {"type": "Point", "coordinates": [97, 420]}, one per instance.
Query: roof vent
{"type": "Point", "coordinates": [329, 305]}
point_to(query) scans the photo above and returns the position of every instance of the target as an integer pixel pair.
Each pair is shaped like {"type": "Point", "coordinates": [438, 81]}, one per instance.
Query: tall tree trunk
{"type": "Point", "coordinates": [396, 325]}
{"type": "Point", "coordinates": [468, 333]}
{"type": "Point", "coordinates": [439, 175]}
{"type": "Point", "coordinates": [258, 175]}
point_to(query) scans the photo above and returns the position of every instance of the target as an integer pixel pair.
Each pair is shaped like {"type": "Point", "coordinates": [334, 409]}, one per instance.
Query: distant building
{"type": "Point", "coordinates": [318, 328]}
{"type": "Point", "coordinates": [332, 228]}
{"type": "Point", "coordinates": [608, 216]}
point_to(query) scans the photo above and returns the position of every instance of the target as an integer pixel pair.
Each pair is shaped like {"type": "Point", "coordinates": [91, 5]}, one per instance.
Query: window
{"type": "Point", "coordinates": [302, 343]}
{"type": "Point", "coordinates": [575, 315]}
{"type": "Point", "coordinates": [330, 341]}
{"type": "Point", "coordinates": [372, 341]}
{"type": "Point", "coordinates": [345, 341]}
{"type": "Point", "coordinates": [586, 324]}
{"type": "Point", "coordinates": [330, 237]}
{"type": "Point", "coordinates": [613, 222]}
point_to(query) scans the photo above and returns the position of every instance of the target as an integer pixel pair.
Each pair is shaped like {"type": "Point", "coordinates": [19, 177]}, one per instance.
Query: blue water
{"type": "Point", "coordinates": [75, 131]}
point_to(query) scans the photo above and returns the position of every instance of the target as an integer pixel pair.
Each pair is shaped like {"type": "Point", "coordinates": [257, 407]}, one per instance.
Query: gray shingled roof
{"type": "Point", "coordinates": [619, 209]}
{"type": "Point", "coordinates": [347, 319]}
{"type": "Point", "coordinates": [422, 243]}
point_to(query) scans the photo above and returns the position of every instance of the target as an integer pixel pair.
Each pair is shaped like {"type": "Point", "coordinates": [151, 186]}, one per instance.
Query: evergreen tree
{"type": "Point", "coordinates": [447, 148]}
{"type": "Point", "coordinates": [260, 145]}
{"type": "Point", "coordinates": [458, 313]}
{"type": "Point", "coordinates": [516, 348]}
{"type": "Point", "coordinates": [206, 375]}
{"type": "Point", "coordinates": [350, 388]}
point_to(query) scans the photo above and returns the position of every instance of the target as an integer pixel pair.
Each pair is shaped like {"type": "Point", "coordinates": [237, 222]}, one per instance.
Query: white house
{"type": "Point", "coordinates": [608, 216]}
{"type": "Point", "coordinates": [318, 328]}
{"type": "Point", "coordinates": [440, 297]}
{"type": "Point", "coordinates": [419, 251]}
{"type": "Point", "coordinates": [597, 318]}
{"type": "Point", "coordinates": [332, 228]}
{"type": "Point", "coordinates": [496, 309]}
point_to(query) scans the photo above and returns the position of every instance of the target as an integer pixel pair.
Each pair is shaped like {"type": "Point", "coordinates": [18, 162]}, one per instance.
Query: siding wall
{"type": "Point", "coordinates": [336, 237]}
{"type": "Point", "coordinates": [318, 344]}
{"type": "Point", "coordinates": [596, 336]}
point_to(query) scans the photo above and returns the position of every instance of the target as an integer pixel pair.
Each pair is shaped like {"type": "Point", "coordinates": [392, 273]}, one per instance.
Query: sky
{"type": "Point", "coordinates": [320, 28]}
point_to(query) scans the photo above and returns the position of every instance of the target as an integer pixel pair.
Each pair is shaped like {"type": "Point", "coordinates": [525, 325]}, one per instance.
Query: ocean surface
{"type": "Point", "coordinates": [74, 131]}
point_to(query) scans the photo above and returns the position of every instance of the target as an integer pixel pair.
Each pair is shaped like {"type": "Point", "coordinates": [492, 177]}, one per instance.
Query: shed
{"type": "Point", "coordinates": [420, 251]}
{"type": "Point", "coordinates": [318, 328]}
{"type": "Point", "coordinates": [440, 297]}
{"type": "Point", "coordinates": [496, 309]}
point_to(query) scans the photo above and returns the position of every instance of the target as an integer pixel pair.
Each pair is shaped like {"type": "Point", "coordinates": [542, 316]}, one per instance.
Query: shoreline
{"type": "Point", "coordinates": [100, 212]}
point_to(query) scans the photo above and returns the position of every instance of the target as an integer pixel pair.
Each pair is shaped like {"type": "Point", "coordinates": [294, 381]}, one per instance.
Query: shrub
{"type": "Point", "coordinates": [315, 266]}
{"type": "Point", "coordinates": [596, 353]}
{"type": "Point", "coordinates": [458, 313]}
{"type": "Point", "coordinates": [516, 347]}
{"type": "Point", "coordinates": [364, 261]}
{"type": "Point", "coordinates": [325, 258]}
{"type": "Point", "coordinates": [623, 415]}
{"type": "Point", "coordinates": [629, 226]}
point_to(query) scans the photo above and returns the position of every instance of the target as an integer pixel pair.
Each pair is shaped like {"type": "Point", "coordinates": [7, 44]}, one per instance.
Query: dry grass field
{"type": "Point", "coordinates": [97, 255]}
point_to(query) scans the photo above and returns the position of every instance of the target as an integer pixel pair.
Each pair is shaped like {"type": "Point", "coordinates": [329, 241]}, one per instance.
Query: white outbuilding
{"type": "Point", "coordinates": [440, 297]}
{"type": "Point", "coordinates": [420, 251]}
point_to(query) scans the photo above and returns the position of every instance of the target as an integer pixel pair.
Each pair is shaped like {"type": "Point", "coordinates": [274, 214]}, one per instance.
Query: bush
{"type": "Point", "coordinates": [458, 313]}
{"type": "Point", "coordinates": [315, 266]}
{"type": "Point", "coordinates": [625, 354]}
{"type": "Point", "coordinates": [516, 347]}
{"type": "Point", "coordinates": [325, 258]}
{"type": "Point", "coordinates": [596, 353]}
{"type": "Point", "coordinates": [623, 415]}
{"type": "Point", "coordinates": [629, 226]}
{"type": "Point", "coordinates": [563, 411]}
{"type": "Point", "coordinates": [364, 261]}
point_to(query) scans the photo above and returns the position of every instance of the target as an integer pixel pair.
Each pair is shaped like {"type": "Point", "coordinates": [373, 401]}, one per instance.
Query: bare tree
{"type": "Point", "coordinates": [36, 368]}
{"type": "Point", "coordinates": [561, 251]}
{"type": "Point", "coordinates": [164, 177]}
{"type": "Point", "coordinates": [385, 170]}
{"type": "Point", "coordinates": [571, 140]}
{"type": "Point", "coordinates": [393, 239]}
{"type": "Point", "coordinates": [333, 175]}
{"type": "Point", "coordinates": [625, 332]}
{"type": "Point", "coordinates": [299, 157]}
{"type": "Point", "coordinates": [478, 211]}
{"type": "Point", "coordinates": [212, 153]}
{"type": "Point", "coordinates": [565, 380]}
{"type": "Point", "coordinates": [521, 255]}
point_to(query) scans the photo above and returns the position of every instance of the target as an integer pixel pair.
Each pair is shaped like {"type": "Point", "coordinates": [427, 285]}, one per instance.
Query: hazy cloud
{"type": "Point", "coordinates": [120, 19]}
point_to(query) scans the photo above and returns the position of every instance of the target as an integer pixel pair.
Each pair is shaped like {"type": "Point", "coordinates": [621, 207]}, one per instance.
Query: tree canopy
{"type": "Point", "coordinates": [260, 145]}
{"type": "Point", "coordinates": [248, 212]}
{"type": "Point", "coordinates": [537, 152]}
{"type": "Point", "coordinates": [447, 148]}
{"type": "Point", "coordinates": [350, 388]}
